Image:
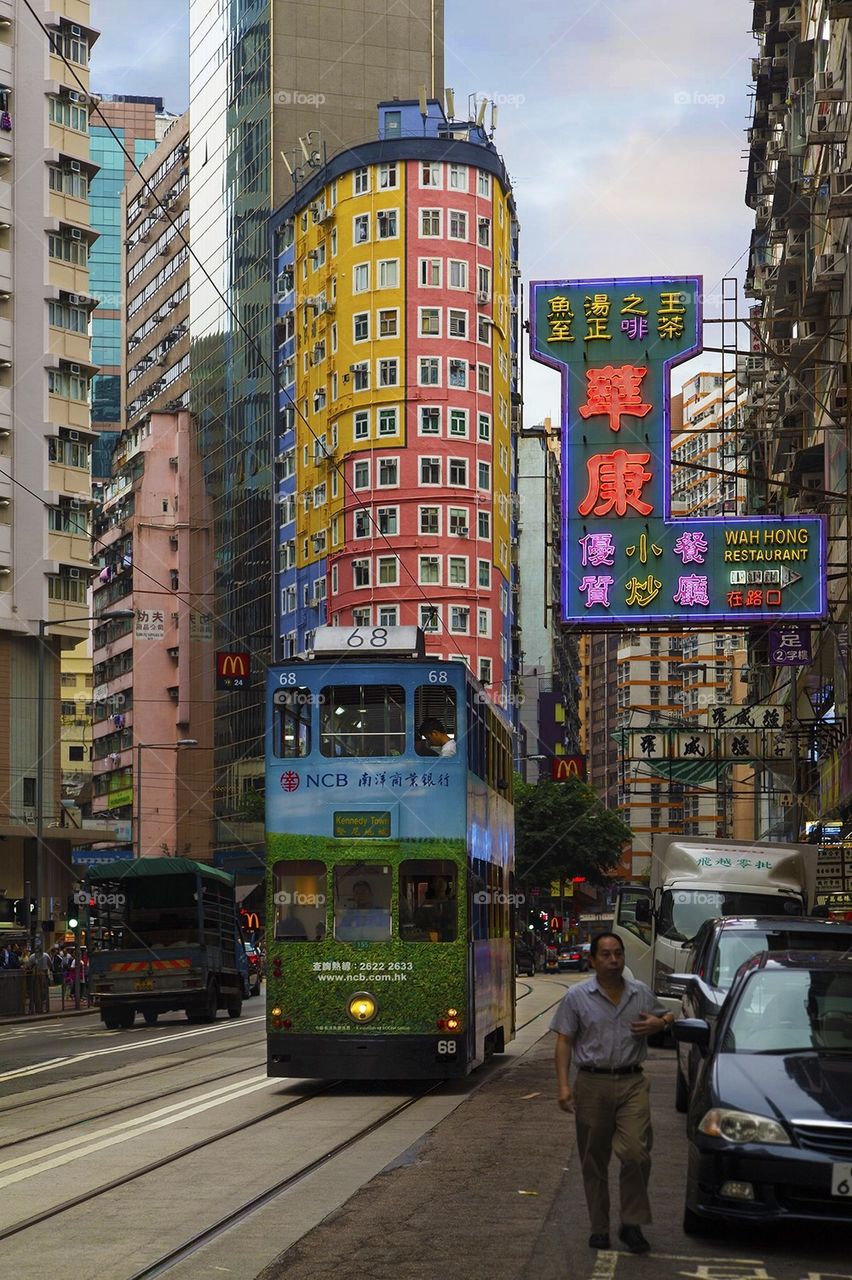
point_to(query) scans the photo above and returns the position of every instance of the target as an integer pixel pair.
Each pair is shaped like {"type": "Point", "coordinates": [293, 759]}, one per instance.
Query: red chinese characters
{"type": "Point", "coordinates": [614, 392]}
{"type": "Point", "coordinates": [616, 481]}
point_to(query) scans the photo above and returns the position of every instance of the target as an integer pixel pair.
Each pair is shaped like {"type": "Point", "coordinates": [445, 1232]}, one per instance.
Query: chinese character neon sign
{"type": "Point", "coordinates": [615, 343]}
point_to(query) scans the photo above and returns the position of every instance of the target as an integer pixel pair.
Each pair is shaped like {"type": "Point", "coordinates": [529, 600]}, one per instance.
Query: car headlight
{"type": "Point", "coordinates": [743, 1126]}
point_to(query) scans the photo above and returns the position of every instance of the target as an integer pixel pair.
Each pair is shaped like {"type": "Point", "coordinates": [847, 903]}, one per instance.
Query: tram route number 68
{"type": "Point", "coordinates": [446, 1048]}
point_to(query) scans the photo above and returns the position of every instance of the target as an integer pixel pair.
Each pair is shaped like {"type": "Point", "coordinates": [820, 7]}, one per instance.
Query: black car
{"type": "Point", "coordinates": [524, 958]}
{"type": "Point", "coordinates": [770, 1121]}
{"type": "Point", "coordinates": [715, 955]}
{"type": "Point", "coordinates": [570, 958]}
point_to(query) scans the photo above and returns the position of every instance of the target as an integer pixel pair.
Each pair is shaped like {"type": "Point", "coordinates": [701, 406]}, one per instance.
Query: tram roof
{"type": "Point", "coordinates": [149, 868]}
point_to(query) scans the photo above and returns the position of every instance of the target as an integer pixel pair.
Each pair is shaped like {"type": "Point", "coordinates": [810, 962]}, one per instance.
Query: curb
{"type": "Point", "coordinates": [22, 1019]}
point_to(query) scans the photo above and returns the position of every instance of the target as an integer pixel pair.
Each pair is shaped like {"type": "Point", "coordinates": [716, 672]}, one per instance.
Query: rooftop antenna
{"type": "Point", "coordinates": [451, 104]}
{"type": "Point", "coordinates": [494, 113]}
{"type": "Point", "coordinates": [287, 164]}
{"type": "Point", "coordinates": [480, 114]}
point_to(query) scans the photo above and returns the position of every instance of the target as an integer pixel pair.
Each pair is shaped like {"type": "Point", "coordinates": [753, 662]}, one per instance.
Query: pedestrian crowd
{"type": "Point", "coordinates": [43, 969]}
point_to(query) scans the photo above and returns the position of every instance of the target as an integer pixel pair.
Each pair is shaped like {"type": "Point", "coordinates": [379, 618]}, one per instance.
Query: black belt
{"type": "Point", "coordinates": [612, 1071]}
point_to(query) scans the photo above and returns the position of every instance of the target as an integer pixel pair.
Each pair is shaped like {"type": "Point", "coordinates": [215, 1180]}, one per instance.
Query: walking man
{"type": "Point", "coordinates": [602, 1026]}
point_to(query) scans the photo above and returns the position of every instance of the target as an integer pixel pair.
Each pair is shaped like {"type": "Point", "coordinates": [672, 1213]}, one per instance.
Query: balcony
{"type": "Point", "coordinates": [829, 122]}
{"type": "Point", "coordinates": [829, 272]}
{"type": "Point", "coordinates": [839, 195]}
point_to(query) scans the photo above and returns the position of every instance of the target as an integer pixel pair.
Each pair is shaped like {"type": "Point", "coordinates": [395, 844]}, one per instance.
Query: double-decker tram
{"type": "Point", "coordinates": [390, 862]}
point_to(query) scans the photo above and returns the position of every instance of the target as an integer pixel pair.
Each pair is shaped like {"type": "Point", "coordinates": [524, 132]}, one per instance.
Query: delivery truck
{"type": "Point", "coordinates": [172, 941]}
{"type": "Point", "coordinates": [693, 880]}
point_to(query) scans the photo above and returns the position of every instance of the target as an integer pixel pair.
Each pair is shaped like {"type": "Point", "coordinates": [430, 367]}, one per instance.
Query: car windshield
{"type": "Point", "coordinates": [737, 946]}
{"type": "Point", "coordinates": [683, 911]}
{"type": "Point", "coordinates": [792, 1011]}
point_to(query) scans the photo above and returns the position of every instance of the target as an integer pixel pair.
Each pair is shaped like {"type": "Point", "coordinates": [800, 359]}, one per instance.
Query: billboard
{"type": "Point", "coordinates": [233, 670]}
{"type": "Point", "coordinates": [564, 767]}
{"type": "Point", "coordinates": [625, 559]}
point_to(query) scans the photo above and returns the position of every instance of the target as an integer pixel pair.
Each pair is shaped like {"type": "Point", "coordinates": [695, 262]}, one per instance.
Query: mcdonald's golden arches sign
{"type": "Point", "coordinates": [233, 670]}
{"type": "Point", "coordinates": [564, 767]}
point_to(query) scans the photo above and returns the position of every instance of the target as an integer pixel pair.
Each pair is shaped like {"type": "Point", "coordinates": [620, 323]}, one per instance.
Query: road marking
{"type": "Point", "coordinates": [605, 1264]}
{"type": "Point", "coordinates": [52, 1063]}
{"type": "Point", "coordinates": [129, 1130]}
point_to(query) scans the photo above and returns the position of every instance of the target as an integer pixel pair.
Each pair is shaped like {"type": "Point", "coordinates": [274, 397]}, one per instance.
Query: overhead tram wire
{"type": "Point", "coordinates": [338, 467]}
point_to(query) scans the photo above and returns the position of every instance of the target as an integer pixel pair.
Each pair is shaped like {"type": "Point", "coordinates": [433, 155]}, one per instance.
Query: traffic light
{"type": "Point", "coordinates": [73, 913]}
{"type": "Point", "coordinates": [20, 911]}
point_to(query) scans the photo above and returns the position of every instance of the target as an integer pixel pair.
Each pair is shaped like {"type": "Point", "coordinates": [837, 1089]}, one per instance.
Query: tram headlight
{"type": "Point", "coordinates": [449, 1020]}
{"type": "Point", "coordinates": [362, 1007]}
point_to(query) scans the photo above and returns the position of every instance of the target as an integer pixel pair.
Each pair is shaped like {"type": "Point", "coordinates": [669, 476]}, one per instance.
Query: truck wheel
{"type": "Point", "coordinates": [111, 1020]}
{"type": "Point", "coordinates": [126, 1018]}
{"type": "Point", "coordinates": [235, 1007]}
{"type": "Point", "coordinates": [211, 1003]}
{"type": "Point", "coordinates": [150, 1016]}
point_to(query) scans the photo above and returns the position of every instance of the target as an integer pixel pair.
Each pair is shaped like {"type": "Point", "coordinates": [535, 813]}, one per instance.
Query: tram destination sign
{"type": "Point", "coordinates": [625, 558]}
{"type": "Point", "coordinates": [364, 824]}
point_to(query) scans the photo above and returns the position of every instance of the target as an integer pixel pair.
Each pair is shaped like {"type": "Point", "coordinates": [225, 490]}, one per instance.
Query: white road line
{"type": "Point", "coordinates": [68, 1156]}
{"type": "Point", "coordinates": [605, 1265]}
{"type": "Point", "coordinates": [52, 1063]}
{"type": "Point", "coordinates": [68, 1144]}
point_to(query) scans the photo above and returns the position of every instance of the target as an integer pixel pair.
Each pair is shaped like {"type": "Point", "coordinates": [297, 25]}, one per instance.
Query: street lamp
{"type": "Point", "coordinates": [151, 746]}
{"type": "Point", "coordinates": [111, 615]}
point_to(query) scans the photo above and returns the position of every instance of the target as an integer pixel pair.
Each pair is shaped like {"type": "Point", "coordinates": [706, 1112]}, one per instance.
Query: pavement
{"type": "Point", "coordinates": [61, 1004]}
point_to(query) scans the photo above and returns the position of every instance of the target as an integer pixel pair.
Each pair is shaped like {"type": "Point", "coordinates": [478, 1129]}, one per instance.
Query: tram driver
{"type": "Point", "coordinates": [439, 742]}
{"type": "Point", "coordinates": [363, 921]}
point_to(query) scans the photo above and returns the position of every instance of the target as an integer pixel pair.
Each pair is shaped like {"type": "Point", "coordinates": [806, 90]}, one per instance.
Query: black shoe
{"type": "Point", "coordinates": [634, 1240]}
{"type": "Point", "coordinates": [599, 1240]}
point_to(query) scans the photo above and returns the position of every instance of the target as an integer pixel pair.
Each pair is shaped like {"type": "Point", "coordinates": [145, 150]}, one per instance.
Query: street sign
{"type": "Point", "coordinates": [733, 718]}
{"type": "Point", "coordinates": [790, 645]}
{"type": "Point", "coordinates": [684, 744]}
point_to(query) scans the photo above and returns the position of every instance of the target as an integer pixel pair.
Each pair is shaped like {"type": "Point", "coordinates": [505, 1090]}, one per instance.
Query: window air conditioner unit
{"type": "Point", "coordinates": [73, 435]}
{"type": "Point", "coordinates": [29, 815]}
{"type": "Point", "coordinates": [462, 531]}
{"type": "Point", "coordinates": [73, 95]}
{"type": "Point", "coordinates": [75, 368]}
{"type": "Point", "coordinates": [73, 573]}
{"type": "Point", "coordinates": [482, 298]}
{"type": "Point", "coordinates": [75, 166]}
{"type": "Point", "coordinates": [75, 504]}
{"type": "Point", "coordinates": [76, 31]}
{"type": "Point", "coordinates": [76, 233]}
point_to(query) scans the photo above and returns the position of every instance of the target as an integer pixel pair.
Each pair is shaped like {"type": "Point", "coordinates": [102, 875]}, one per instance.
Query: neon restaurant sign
{"type": "Point", "coordinates": [625, 558]}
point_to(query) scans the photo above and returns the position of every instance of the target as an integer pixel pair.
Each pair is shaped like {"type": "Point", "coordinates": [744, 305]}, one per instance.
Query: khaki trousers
{"type": "Point", "coordinates": [613, 1113]}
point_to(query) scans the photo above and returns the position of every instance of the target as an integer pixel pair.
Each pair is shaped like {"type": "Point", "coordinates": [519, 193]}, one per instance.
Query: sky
{"type": "Point", "coordinates": [621, 126]}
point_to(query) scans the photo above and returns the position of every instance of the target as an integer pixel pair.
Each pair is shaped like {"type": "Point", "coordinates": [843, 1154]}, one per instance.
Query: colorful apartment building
{"type": "Point", "coordinates": [396, 342]}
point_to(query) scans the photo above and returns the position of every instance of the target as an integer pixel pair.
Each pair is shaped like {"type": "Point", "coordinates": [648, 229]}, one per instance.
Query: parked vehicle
{"type": "Point", "coordinates": [770, 1122]}
{"type": "Point", "coordinates": [255, 968]}
{"type": "Point", "coordinates": [551, 959]}
{"type": "Point", "coordinates": [570, 958]}
{"type": "Point", "coordinates": [525, 960]}
{"type": "Point", "coordinates": [697, 880]}
{"type": "Point", "coordinates": [174, 941]}
{"type": "Point", "coordinates": [717, 952]}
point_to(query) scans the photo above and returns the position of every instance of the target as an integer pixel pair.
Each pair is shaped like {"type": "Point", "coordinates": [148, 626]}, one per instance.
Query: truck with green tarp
{"type": "Point", "coordinates": [171, 941]}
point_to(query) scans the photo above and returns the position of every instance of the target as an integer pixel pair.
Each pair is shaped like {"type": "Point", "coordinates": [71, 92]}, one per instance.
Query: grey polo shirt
{"type": "Point", "coordinates": [599, 1030]}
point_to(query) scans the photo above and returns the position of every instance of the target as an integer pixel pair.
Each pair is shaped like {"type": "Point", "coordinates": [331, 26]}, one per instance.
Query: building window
{"type": "Point", "coordinates": [484, 475]}
{"type": "Point", "coordinates": [457, 274]}
{"type": "Point", "coordinates": [483, 233]}
{"type": "Point", "coordinates": [484, 573]}
{"type": "Point", "coordinates": [457, 472]}
{"type": "Point", "coordinates": [361, 573]}
{"type": "Point", "coordinates": [430, 470]}
{"type": "Point", "coordinates": [484, 379]}
{"type": "Point", "coordinates": [430, 570]}
{"type": "Point", "coordinates": [68, 114]}
{"type": "Point", "coordinates": [483, 183]}
{"type": "Point", "coordinates": [361, 376]}
{"type": "Point", "coordinates": [360, 181]}
{"type": "Point", "coordinates": [483, 330]}
{"type": "Point", "coordinates": [388, 375]}
{"type": "Point", "coordinates": [457, 177]}
{"type": "Point", "coordinates": [430, 618]}
{"type": "Point", "coordinates": [363, 523]}
{"type": "Point", "coordinates": [389, 273]}
{"type": "Point", "coordinates": [483, 622]}
{"type": "Point", "coordinates": [483, 525]}
{"type": "Point", "coordinates": [361, 475]}
{"type": "Point", "coordinates": [388, 473]}
{"type": "Point", "coordinates": [430, 174]}
{"type": "Point", "coordinates": [387, 224]}
{"type": "Point", "coordinates": [388, 518]}
{"type": "Point", "coordinates": [388, 323]}
{"type": "Point", "coordinates": [484, 426]}
{"type": "Point", "coordinates": [361, 425]}
{"type": "Point", "coordinates": [485, 671]}
{"type": "Point", "coordinates": [430, 273]}
{"type": "Point", "coordinates": [361, 617]}
{"type": "Point", "coordinates": [361, 278]}
{"type": "Point", "coordinates": [430, 420]}
{"type": "Point", "coordinates": [458, 423]}
{"type": "Point", "coordinates": [429, 371]}
{"type": "Point", "coordinates": [458, 324]}
{"type": "Point", "coordinates": [459, 618]}
{"type": "Point", "coordinates": [456, 372]}
{"type": "Point", "coordinates": [483, 283]}
{"type": "Point", "coordinates": [430, 520]}
{"type": "Point", "coordinates": [388, 615]}
{"type": "Point", "coordinates": [458, 225]}
{"type": "Point", "coordinates": [388, 175]}
{"type": "Point", "coordinates": [430, 223]}
{"type": "Point", "coordinates": [430, 322]}
{"type": "Point", "coordinates": [388, 567]}
{"type": "Point", "coordinates": [457, 566]}
{"type": "Point", "coordinates": [388, 422]}
{"type": "Point", "coordinates": [362, 326]}
{"type": "Point", "coordinates": [458, 521]}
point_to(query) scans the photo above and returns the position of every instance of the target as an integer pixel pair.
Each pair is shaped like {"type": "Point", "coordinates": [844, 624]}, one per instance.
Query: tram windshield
{"type": "Point", "coordinates": [362, 903]}
{"type": "Point", "coordinates": [362, 720]}
{"type": "Point", "coordinates": [299, 895]}
{"type": "Point", "coordinates": [428, 901]}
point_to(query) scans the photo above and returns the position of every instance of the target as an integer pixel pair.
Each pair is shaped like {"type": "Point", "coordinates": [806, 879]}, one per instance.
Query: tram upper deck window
{"type": "Point", "coordinates": [362, 720]}
{"type": "Point", "coordinates": [292, 722]}
{"type": "Point", "coordinates": [436, 728]}
{"type": "Point", "coordinates": [362, 903]}
{"type": "Point", "coordinates": [299, 895]}
{"type": "Point", "coordinates": [428, 901]}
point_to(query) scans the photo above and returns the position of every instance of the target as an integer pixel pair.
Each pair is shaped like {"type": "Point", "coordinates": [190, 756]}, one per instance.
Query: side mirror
{"type": "Point", "coordinates": [674, 984]}
{"type": "Point", "coordinates": [693, 1031]}
{"type": "Point", "coordinates": [643, 911]}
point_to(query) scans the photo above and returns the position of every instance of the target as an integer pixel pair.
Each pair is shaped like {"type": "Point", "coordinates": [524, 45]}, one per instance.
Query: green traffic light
{"type": "Point", "coordinates": [72, 924]}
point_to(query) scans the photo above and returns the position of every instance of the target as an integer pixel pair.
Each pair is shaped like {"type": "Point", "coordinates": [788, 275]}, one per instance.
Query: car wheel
{"type": "Point", "coordinates": [681, 1093]}
{"type": "Point", "coordinates": [256, 989]}
{"type": "Point", "coordinates": [235, 1007]}
{"type": "Point", "coordinates": [694, 1224]}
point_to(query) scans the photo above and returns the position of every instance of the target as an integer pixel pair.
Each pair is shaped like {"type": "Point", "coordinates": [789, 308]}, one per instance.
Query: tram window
{"type": "Point", "coordinates": [299, 895]}
{"type": "Point", "coordinates": [293, 722]}
{"type": "Point", "coordinates": [435, 721]}
{"type": "Point", "coordinates": [479, 899]}
{"type": "Point", "coordinates": [362, 720]}
{"type": "Point", "coordinates": [362, 903]}
{"type": "Point", "coordinates": [428, 901]}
